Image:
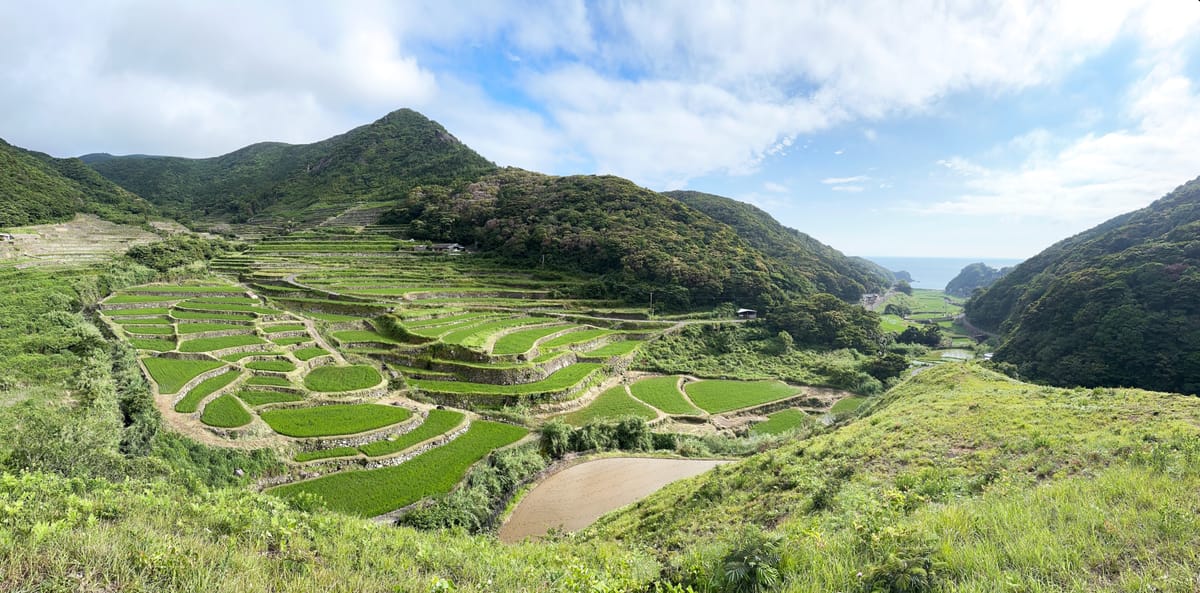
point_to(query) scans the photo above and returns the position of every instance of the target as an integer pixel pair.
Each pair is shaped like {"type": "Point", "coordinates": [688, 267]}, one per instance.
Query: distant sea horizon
{"type": "Point", "coordinates": [936, 272]}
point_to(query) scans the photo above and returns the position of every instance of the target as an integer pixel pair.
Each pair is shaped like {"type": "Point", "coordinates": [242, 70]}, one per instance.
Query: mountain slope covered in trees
{"type": "Point", "coordinates": [974, 276]}
{"type": "Point", "coordinates": [37, 188]}
{"type": "Point", "coordinates": [824, 266]}
{"type": "Point", "coordinates": [375, 162]}
{"type": "Point", "coordinates": [1115, 305]}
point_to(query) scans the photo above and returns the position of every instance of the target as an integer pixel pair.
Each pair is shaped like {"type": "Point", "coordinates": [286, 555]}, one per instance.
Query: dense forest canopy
{"type": "Point", "coordinates": [1115, 305]}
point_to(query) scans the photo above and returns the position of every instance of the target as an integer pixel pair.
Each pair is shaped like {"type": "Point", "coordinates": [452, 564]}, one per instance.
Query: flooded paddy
{"type": "Point", "coordinates": [575, 497]}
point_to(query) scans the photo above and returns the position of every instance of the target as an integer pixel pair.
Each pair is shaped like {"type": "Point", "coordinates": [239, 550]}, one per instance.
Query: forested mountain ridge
{"type": "Point", "coordinates": [379, 161]}
{"type": "Point", "coordinates": [643, 240]}
{"type": "Point", "coordinates": [824, 266]}
{"type": "Point", "coordinates": [1115, 305]}
{"type": "Point", "coordinates": [37, 188]}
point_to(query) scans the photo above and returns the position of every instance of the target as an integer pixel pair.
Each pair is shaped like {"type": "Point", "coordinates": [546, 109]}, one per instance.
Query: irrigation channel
{"type": "Point", "coordinates": [575, 497]}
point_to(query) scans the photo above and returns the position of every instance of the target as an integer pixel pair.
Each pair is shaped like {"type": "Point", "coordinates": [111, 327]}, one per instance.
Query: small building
{"type": "Point", "coordinates": [5, 237]}
{"type": "Point", "coordinates": [448, 247]}
{"type": "Point", "coordinates": [746, 314]}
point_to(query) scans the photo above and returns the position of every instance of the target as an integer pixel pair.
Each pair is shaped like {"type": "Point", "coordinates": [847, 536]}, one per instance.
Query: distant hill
{"type": "Point", "coordinates": [642, 240]}
{"type": "Point", "coordinates": [1115, 305]}
{"type": "Point", "coordinates": [973, 277]}
{"type": "Point", "coordinates": [377, 162]}
{"type": "Point", "coordinates": [37, 188]}
{"type": "Point", "coordinates": [825, 267]}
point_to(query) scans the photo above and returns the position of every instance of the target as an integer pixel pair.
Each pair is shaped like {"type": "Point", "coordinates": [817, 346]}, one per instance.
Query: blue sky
{"type": "Point", "coordinates": [965, 129]}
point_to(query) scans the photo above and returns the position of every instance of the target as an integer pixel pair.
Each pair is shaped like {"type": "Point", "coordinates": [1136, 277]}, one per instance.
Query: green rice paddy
{"type": "Point", "coordinates": [613, 403]}
{"type": "Point", "coordinates": [333, 379]}
{"type": "Point", "coordinates": [368, 493]}
{"type": "Point", "coordinates": [225, 412]}
{"type": "Point", "coordinates": [309, 353]}
{"type": "Point", "coordinates": [172, 374]}
{"type": "Point", "coordinates": [663, 393]}
{"type": "Point", "coordinates": [262, 398]}
{"type": "Point", "coordinates": [559, 380]}
{"type": "Point", "coordinates": [221, 343]}
{"type": "Point", "coordinates": [436, 423]}
{"type": "Point", "coordinates": [280, 366]}
{"type": "Point", "coordinates": [782, 421]}
{"type": "Point", "coordinates": [333, 420]}
{"type": "Point", "coordinates": [716, 396]}
{"type": "Point", "coordinates": [192, 400]}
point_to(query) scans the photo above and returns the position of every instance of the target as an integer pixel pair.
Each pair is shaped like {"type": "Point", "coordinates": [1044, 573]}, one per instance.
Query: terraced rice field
{"type": "Point", "coordinates": [717, 396]}
{"type": "Point", "coordinates": [368, 493]}
{"type": "Point", "coordinates": [262, 398]}
{"type": "Point", "coordinates": [438, 422]}
{"type": "Point", "coordinates": [333, 379]}
{"type": "Point", "coordinates": [225, 412]}
{"type": "Point", "coordinates": [221, 343]}
{"type": "Point", "coordinates": [191, 401]}
{"type": "Point", "coordinates": [172, 374]}
{"type": "Point", "coordinates": [559, 380]}
{"type": "Point", "coordinates": [663, 393]}
{"type": "Point", "coordinates": [613, 403]}
{"type": "Point", "coordinates": [522, 341]}
{"type": "Point", "coordinates": [333, 420]}
{"type": "Point", "coordinates": [782, 421]}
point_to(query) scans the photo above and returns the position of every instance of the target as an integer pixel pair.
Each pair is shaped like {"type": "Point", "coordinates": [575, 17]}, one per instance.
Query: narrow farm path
{"type": "Point", "coordinates": [311, 326]}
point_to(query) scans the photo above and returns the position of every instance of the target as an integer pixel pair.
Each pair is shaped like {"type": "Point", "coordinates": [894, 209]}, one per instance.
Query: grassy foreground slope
{"type": "Point", "coordinates": [958, 480]}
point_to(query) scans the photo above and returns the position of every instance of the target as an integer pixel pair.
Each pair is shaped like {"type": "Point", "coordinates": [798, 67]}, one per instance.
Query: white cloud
{"type": "Point", "coordinates": [870, 134]}
{"type": "Point", "coordinates": [847, 188]}
{"type": "Point", "coordinates": [841, 180]}
{"type": "Point", "coordinates": [1094, 177]}
{"type": "Point", "coordinates": [777, 188]}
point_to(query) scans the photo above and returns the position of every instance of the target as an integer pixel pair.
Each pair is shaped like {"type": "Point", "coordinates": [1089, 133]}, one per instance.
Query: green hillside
{"type": "Point", "coordinates": [957, 480]}
{"type": "Point", "coordinates": [827, 268]}
{"type": "Point", "coordinates": [38, 188]}
{"type": "Point", "coordinates": [1115, 305]}
{"type": "Point", "coordinates": [376, 162]}
{"type": "Point", "coordinates": [645, 240]}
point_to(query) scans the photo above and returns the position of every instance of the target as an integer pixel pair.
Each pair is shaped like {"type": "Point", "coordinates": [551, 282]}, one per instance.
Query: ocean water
{"type": "Point", "coordinates": [935, 272]}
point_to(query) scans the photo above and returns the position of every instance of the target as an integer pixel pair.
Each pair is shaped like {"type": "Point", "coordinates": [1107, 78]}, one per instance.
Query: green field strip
{"type": "Point", "coordinates": [268, 380]}
{"type": "Point", "coordinates": [284, 327]}
{"type": "Point", "coordinates": [576, 337]}
{"type": "Point", "coordinates": [363, 335]}
{"type": "Point", "coordinates": [475, 337]}
{"type": "Point", "coordinates": [149, 330]}
{"type": "Point", "coordinates": [227, 300]}
{"type": "Point", "coordinates": [615, 349]}
{"type": "Point", "coordinates": [333, 453]}
{"type": "Point", "coordinates": [782, 421]}
{"type": "Point", "coordinates": [172, 374]}
{"type": "Point", "coordinates": [210, 316]}
{"type": "Point", "coordinates": [306, 354]}
{"type": "Point", "coordinates": [280, 366]}
{"type": "Point", "coordinates": [334, 379]}
{"type": "Point", "coordinates": [225, 412]}
{"type": "Point", "coordinates": [436, 423]}
{"type": "Point", "coordinates": [291, 340]}
{"type": "Point", "coordinates": [158, 320]}
{"type": "Point", "coordinates": [236, 356]}
{"type": "Point", "coordinates": [154, 344]}
{"type": "Point", "coordinates": [136, 312]}
{"type": "Point", "coordinates": [521, 341]}
{"type": "Point", "coordinates": [663, 393]}
{"type": "Point", "coordinates": [333, 420]}
{"type": "Point", "coordinates": [197, 328]}
{"type": "Point", "coordinates": [847, 405]}
{"type": "Point", "coordinates": [613, 403]}
{"type": "Point", "coordinates": [226, 308]}
{"type": "Point", "coordinates": [210, 344]}
{"type": "Point", "coordinates": [191, 401]}
{"type": "Point", "coordinates": [436, 331]}
{"type": "Point", "coordinates": [255, 398]}
{"type": "Point", "coordinates": [719, 395]}
{"type": "Point", "coordinates": [563, 378]}
{"type": "Point", "coordinates": [369, 493]}
{"type": "Point", "coordinates": [447, 320]}
{"type": "Point", "coordinates": [181, 289]}
{"type": "Point", "coordinates": [124, 299]}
